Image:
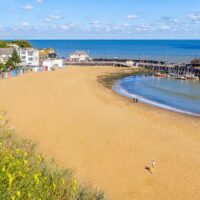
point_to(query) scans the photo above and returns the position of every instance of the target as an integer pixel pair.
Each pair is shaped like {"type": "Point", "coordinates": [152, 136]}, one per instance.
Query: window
{"type": "Point", "coordinates": [30, 53]}
{"type": "Point", "coordinates": [30, 59]}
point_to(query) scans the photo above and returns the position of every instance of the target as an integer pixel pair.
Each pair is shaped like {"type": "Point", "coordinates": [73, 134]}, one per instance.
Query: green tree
{"type": "Point", "coordinates": [3, 44]}
{"type": "Point", "coordinates": [13, 61]}
{"type": "Point", "coordinates": [15, 58]}
{"type": "Point", "coordinates": [9, 63]}
{"type": "Point", "coordinates": [2, 66]}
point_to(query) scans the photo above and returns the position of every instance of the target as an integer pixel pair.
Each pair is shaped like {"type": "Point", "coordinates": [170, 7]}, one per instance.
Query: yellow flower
{"type": "Point", "coordinates": [36, 177]}
{"type": "Point", "coordinates": [75, 186]}
{"type": "Point", "coordinates": [3, 169]}
{"type": "Point", "coordinates": [54, 186]}
{"type": "Point", "coordinates": [25, 154]}
{"type": "Point", "coordinates": [39, 159]}
{"type": "Point", "coordinates": [17, 151]}
{"type": "Point", "coordinates": [25, 162]}
{"type": "Point", "coordinates": [62, 181]}
{"type": "Point", "coordinates": [10, 179]}
{"type": "Point", "coordinates": [13, 198]}
{"type": "Point", "coordinates": [29, 195]}
{"type": "Point", "coordinates": [18, 193]}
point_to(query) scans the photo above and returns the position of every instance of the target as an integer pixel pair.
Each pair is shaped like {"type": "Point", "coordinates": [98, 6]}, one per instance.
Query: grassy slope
{"type": "Point", "coordinates": [24, 174]}
{"type": "Point", "coordinates": [20, 43]}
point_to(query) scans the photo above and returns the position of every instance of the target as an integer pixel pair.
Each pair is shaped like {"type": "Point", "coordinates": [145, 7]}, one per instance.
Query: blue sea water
{"type": "Point", "coordinates": [169, 50]}
{"type": "Point", "coordinates": [169, 93]}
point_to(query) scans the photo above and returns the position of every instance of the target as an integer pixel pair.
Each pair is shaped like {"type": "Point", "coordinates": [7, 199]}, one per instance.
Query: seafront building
{"type": "Point", "coordinates": [5, 54]}
{"type": "Point", "coordinates": [53, 63]}
{"type": "Point", "coordinates": [196, 63]}
{"type": "Point", "coordinates": [80, 56]}
{"type": "Point", "coordinates": [29, 56]}
{"type": "Point", "coordinates": [46, 54]}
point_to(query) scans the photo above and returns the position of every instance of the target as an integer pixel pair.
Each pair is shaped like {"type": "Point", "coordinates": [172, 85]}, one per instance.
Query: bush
{"type": "Point", "coordinates": [24, 174]}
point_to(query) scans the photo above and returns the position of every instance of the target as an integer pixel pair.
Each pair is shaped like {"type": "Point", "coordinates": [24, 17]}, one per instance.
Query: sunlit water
{"type": "Point", "coordinates": [169, 93]}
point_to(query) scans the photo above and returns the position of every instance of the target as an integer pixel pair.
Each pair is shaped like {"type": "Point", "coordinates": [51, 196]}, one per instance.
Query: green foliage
{"type": "Point", "coordinates": [9, 63]}
{"type": "Point", "coordinates": [22, 43]}
{"type": "Point", "coordinates": [14, 60]}
{"type": "Point", "coordinates": [3, 44]}
{"type": "Point", "coordinates": [24, 174]}
{"type": "Point", "coordinates": [2, 66]}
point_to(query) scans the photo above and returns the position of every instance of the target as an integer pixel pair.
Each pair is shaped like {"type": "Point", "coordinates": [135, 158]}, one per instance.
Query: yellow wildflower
{"type": "Point", "coordinates": [17, 151]}
{"type": "Point", "coordinates": [62, 181]}
{"type": "Point", "coordinates": [54, 186]}
{"type": "Point", "coordinates": [39, 159]}
{"type": "Point", "coordinates": [75, 186]}
{"type": "Point", "coordinates": [36, 177]}
{"type": "Point", "coordinates": [18, 193]}
{"type": "Point", "coordinates": [29, 195]}
{"type": "Point", "coordinates": [10, 179]}
{"type": "Point", "coordinates": [25, 162]}
{"type": "Point", "coordinates": [3, 169]}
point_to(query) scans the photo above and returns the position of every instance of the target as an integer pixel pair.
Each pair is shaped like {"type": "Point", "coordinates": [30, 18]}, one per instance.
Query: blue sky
{"type": "Point", "coordinates": [105, 19]}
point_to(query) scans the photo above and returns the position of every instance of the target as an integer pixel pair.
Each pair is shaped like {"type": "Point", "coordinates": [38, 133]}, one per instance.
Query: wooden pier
{"type": "Point", "coordinates": [157, 66]}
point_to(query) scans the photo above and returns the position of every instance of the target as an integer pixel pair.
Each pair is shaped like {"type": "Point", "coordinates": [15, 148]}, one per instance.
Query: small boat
{"type": "Point", "coordinates": [181, 78]}
{"type": "Point", "coordinates": [172, 74]}
{"type": "Point", "coordinates": [158, 74]}
{"type": "Point", "coordinates": [191, 77]}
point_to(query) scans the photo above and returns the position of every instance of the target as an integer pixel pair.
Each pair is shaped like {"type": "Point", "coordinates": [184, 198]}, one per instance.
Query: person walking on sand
{"type": "Point", "coordinates": [153, 163]}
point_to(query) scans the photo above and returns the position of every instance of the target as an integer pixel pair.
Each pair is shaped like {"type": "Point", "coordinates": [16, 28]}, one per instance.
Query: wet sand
{"type": "Point", "coordinates": [104, 137]}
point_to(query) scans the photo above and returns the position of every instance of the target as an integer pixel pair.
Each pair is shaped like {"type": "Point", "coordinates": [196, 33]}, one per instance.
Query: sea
{"type": "Point", "coordinates": [173, 51]}
{"type": "Point", "coordinates": [169, 93]}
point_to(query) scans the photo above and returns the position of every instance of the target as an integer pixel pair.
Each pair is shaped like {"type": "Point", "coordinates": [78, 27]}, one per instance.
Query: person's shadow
{"type": "Point", "coordinates": [148, 169]}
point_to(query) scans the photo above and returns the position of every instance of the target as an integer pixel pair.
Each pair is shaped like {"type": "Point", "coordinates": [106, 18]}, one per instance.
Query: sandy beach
{"type": "Point", "coordinates": [104, 137]}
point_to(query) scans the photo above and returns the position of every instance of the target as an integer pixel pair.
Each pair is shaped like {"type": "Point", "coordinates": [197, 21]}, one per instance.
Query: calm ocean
{"type": "Point", "coordinates": [169, 93]}
{"type": "Point", "coordinates": [170, 50]}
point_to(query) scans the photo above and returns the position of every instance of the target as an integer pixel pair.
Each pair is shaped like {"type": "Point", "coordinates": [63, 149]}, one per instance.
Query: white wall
{"type": "Point", "coordinates": [29, 56]}
{"type": "Point", "coordinates": [79, 58]}
{"type": "Point", "coordinates": [53, 63]}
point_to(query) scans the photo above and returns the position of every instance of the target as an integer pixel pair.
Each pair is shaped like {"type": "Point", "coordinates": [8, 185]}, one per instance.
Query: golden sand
{"type": "Point", "coordinates": [106, 138]}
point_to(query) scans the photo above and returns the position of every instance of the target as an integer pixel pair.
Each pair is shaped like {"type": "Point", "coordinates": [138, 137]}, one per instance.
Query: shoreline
{"type": "Point", "coordinates": [119, 90]}
{"type": "Point", "coordinates": [113, 83]}
{"type": "Point", "coordinates": [102, 136]}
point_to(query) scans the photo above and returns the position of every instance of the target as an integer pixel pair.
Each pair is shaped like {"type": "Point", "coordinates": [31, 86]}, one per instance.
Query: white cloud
{"type": "Point", "coordinates": [132, 16]}
{"type": "Point", "coordinates": [25, 24]}
{"type": "Point", "coordinates": [28, 7]}
{"type": "Point", "coordinates": [64, 27]}
{"type": "Point", "coordinates": [39, 1]}
{"type": "Point", "coordinates": [95, 24]}
{"type": "Point", "coordinates": [52, 17]}
{"type": "Point", "coordinates": [165, 27]}
{"type": "Point", "coordinates": [194, 17]}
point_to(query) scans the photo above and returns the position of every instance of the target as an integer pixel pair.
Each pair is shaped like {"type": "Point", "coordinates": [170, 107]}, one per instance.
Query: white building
{"type": "Point", "coordinates": [29, 56]}
{"type": "Point", "coordinates": [80, 56]}
{"type": "Point", "coordinates": [5, 54]}
{"type": "Point", "coordinates": [50, 63]}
